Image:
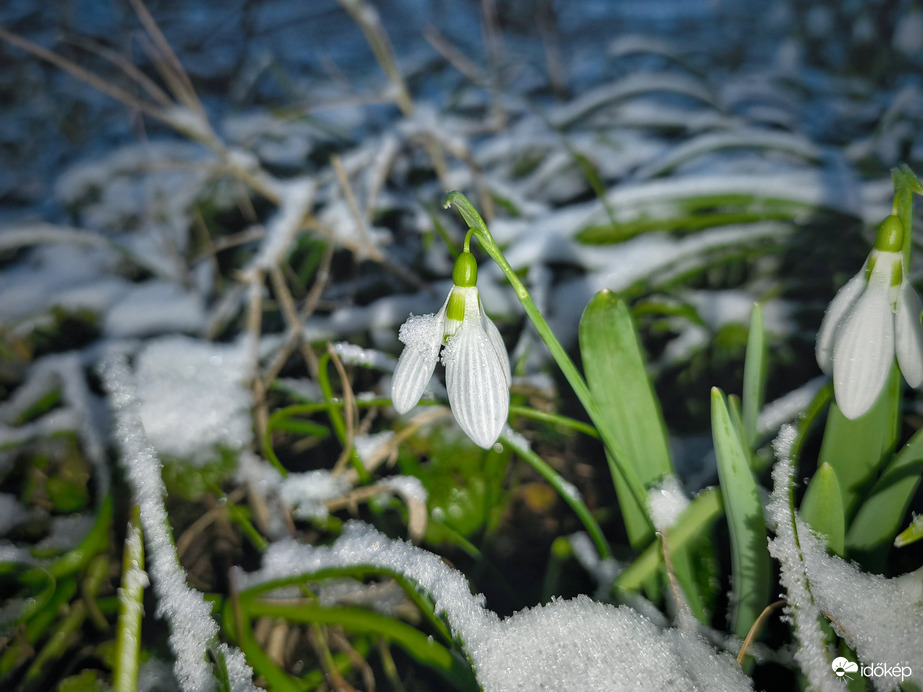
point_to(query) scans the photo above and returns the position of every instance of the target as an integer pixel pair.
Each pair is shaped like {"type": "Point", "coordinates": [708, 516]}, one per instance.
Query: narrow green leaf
{"type": "Point", "coordinates": [857, 448]}
{"type": "Point", "coordinates": [553, 419]}
{"type": "Point", "coordinates": [754, 389]}
{"type": "Point", "coordinates": [822, 508]}
{"type": "Point", "coordinates": [85, 681]}
{"type": "Point", "coordinates": [618, 232]}
{"type": "Point", "coordinates": [590, 172]}
{"type": "Point", "coordinates": [131, 608]}
{"type": "Point", "coordinates": [693, 522]}
{"type": "Point", "coordinates": [686, 565]}
{"type": "Point", "coordinates": [422, 647]}
{"type": "Point", "coordinates": [733, 406]}
{"type": "Point", "coordinates": [220, 664]}
{"type": "Point", "coordinates": [302, 427]}
{"type": "Point", "coordinates": [260, 661]}
{"type": "Point", "coordinates": [566, 491]}
{"type": "Point", "coordinates": [750, 569]}
{"type": "Point", "coordinates": [336, 416]}
{"type": "Point", "coordinates": [879, 517]}
{"type": "Point", "coordinates": [615, 371]}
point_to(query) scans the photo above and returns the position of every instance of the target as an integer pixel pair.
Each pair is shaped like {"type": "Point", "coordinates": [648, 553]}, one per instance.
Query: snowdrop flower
{"type": "Point", "coordinates": [873, 317]}
{"type": "Point", "coordinates": [477, 368]}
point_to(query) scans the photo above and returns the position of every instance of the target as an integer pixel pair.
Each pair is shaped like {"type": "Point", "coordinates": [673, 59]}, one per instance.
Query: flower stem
{"type": "Point", "coordinates": [468, 239]}
{"type": "Point", "coordinates": [479, 228]}
{"type": "Point", "coordinates": [905, 185]}
{"type": "Point", "coordinates": [567, 492]}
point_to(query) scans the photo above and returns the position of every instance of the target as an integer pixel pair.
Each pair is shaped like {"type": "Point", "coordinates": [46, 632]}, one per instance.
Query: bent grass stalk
{"type": "Point", "coordinates": [360, 572]}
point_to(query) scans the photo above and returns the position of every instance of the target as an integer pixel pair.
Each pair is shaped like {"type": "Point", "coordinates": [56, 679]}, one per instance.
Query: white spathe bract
{"type": "Point", "coordinates": [477, 366]}
{"type": "Point", "coordinates": [869, 321]}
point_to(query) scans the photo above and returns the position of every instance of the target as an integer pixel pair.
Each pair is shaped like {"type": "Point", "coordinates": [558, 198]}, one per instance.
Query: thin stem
{"type": "Point", "coordinates": [367, 18]}
{"type": "Point", "coordinates": [905, 185]}
{"type": "Point", "coordinates": [579, 385]}
{"type": "Point", "coordinates": [337, 419]}
{"type": "Point", "coordinates": [468, 239]}
{"type": "Point", "coordinates": [567, 491]}
{"type": "Point", "coordinates": [554, 419]}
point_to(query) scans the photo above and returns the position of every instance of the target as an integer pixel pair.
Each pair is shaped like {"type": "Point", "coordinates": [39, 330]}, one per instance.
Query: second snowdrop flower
{"type": "Point", "coordinates": [476, 363]}
{"type": "Point", "coordinates": [875, 316]}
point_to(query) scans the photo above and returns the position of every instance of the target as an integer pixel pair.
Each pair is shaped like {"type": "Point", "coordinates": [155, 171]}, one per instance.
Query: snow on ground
{"type": "Point", "coordinates": [193, 397]}
{"type": "Point", "coordinates": [192, 628]}
{"type": "Point", "coordinates": [576, 644]}
{"type": "Point", "coordinates": [881, 618]}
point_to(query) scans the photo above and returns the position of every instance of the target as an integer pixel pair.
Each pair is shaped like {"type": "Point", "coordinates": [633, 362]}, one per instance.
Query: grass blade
{"type": "Point", "coordinates": [856, 448]}
{"type": "Point", "coordinates": [754, 389]}
{"type": "Point", "coordinates": [131, 609]}
{"type": "Point", "coordinates": [879, 517]}
{"type": "Point", "coordinates": [615, 371]}
{"type": "Point", "coordinates": [750, 570]}
{"type": "Point", "coordinates": [822, 508]}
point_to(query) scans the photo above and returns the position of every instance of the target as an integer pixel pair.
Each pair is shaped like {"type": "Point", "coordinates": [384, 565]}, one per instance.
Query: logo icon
{"type": "Point", "coordinates": [841, 666]}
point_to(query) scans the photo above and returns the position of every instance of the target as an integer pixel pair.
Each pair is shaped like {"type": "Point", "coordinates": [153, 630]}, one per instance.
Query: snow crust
{"type": "Point", "coordinates": [305, 493]}
{"type": "Point", "coordinates": [577, 644]}
{"type": "Point", "coordinates": [193, 397]}
{"type": "Point", "coordinates": [667, 500]}
{"type": "Point", "coordinates": [881, 618]}
{"type": "Point", "coordinates": [189, 616]}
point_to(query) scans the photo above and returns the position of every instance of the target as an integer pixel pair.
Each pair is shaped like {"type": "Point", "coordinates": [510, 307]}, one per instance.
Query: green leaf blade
{"type": "Point", "coordinates": [857, 448]}
{"type": "Point", "coordinates": [749, 552]}
{"type": "Point", "coordinates": [822, 508]}
{"type": "Point", "coordinates": [754, 388]}
{"type": "Point", "coordinates": [879, 517]}
{"type": "Point", "coordinates": [617, 377]}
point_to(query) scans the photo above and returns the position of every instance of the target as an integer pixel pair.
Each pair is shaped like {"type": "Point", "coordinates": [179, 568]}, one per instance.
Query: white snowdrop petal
{"type": "Point", "coordinates": [422, 335]}
{"type": "Point", "coordinates": [908, 335]}
{"type": "Point", "coordinates": [838, 309]}
{"type": "Point", "coordinates": [476, 384]}
{"type": "Point", "coordinates": [864, 348]}
{"type": "Point", "coordinates": [499, 347]}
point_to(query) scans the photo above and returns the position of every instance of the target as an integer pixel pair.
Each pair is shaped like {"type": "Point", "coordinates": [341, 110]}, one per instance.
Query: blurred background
{"type": "Point", "coordinates": [281, 54]}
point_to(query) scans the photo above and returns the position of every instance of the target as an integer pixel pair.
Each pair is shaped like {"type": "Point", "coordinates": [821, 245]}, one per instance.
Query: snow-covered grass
{"type": "Point", "coordinates": [223, 310]}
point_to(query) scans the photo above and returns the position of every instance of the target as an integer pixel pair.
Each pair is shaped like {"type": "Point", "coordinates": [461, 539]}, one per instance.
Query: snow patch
{"type": "Point", "coordinates": [189, 616]}
{"type": "Point", "coordinates": [193, 397]}
{"type": "Point", "coordinates": [667, 500]}
{"type": "Point", "coordinates": [574, 644]}
{"type": "Point", "coordinates": [305, 493]}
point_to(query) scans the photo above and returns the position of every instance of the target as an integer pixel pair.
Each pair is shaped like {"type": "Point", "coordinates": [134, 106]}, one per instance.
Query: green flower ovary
{"type": "Point", "coordinates": [464, 276]}
{"type": "Point", "coordinates": [890, 236]}
{"type": "Point", "coordinates": [465, 271]}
